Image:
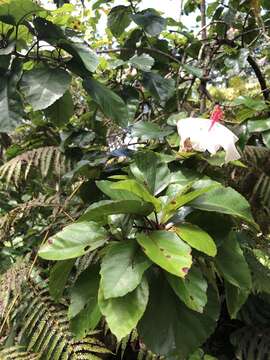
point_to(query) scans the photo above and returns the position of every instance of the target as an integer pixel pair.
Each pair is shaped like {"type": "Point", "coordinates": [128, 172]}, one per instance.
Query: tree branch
{"type": "Point", "coordinates": [255, 67]}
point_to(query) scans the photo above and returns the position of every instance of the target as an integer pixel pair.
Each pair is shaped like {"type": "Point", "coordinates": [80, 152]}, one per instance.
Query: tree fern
{"type": "Point", "coordinates": [260, 271]}
{"type": "Point", "coordinates": [46, 331]}
{"type": "Point", "coordinates": [9, 220]}
{"type": "Point", "coordinates": [257, 158]}
{"type": "Point", "coordinates": [251, 343]}
{"type": "Point", "coordinates": [45, 159]}
{"type": "Point", "coordinates": [11, 282]}
{"type": "Point", "coordinates": [17, 353]}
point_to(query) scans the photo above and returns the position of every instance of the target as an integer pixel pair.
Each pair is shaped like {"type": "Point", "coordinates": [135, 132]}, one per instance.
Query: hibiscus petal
{"type": "Point", "coordinates": [196, 131]}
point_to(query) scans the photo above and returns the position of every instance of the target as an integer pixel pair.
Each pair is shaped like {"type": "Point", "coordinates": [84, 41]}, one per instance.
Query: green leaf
{"type": "Point", "coordinates": [122, 269]}
{"type": "Point", "coordinates": [109, 102]}
{"type": "Point", "coordinates": [48, 31]}
{"type": "Point", "coordinates": [150, 21]}
{"type": "Point", "coordinates": [192, 290]}
{"type": "Point", "coordinates": [8, 49]}
{"type": "Point", "coordinates": [4, 63]}
{"type": "Point", "coordinates": [177, 331]}
{"type": "Point", "coordinates": [184, 177]}
{"type": "Point", "coordinates": [197, 238]}
{"type": "Point", "coordinates": [266, 138]}
{"type": "Point", "coordinates": [106, 187]}
{"type": "Point", "coordinates": [232, 264]}
{"type": "Point", "coordinates": [226, 201]}
{"type": "Point", "coordinates": [84, 290]}
{"type": "Point", "coordinates": [252, 104]}
{"type": "Point", "coordinates": [162, 89]}
{"type": "Point", "coordinates": [73, 241]}
{"type": "Point", "coordinates": [61, 111]}
{"type": "Point", "coordinates": [118, 19]}
{"type": "Point", "coordinates": [11, 107]}
{"type": "Point", "coordinates": [122, 314]}
{"type": "Point", "coordinates": [167, 250]}
{"type": "Point", "coordinates": [258, 125]}
{"type": "Point", "coordinates": [142, 62]}
{"type": "Point", "coordinates": [83, 309]}
{"type": "Point", "coordinates": [81, 52]}
{"type": "Point", "coordinates": [139, 190]}
{"type": "Point", "coordinates": [43, 86]}
{"type": "Point", "coordinates": [218, 226]}
{"type": "Point", "coordinates": [58, 277]}
{"type": "Point", "coordinates": [151, 171]}
{"type": "Point", "coordinates": [99, 211]}
{"type": "Point", "coordinates": [149, 130]}
{"type": "Point", "coordinates": [235, 298]}
{"type": "Point", "coordinates": [15, 11]}
{"type": "Point", "coordinates": [193, 70]}
{"type": "Point", "coordinates": [182, 199]}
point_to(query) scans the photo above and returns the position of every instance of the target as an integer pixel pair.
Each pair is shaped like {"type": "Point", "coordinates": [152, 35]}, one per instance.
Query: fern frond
{"type": "Point", "coordinates": [11, 282]}
{"type": "Point", "coordinates": [17, 353]}
{"type": "Point", "coordinates": [46, 331]}
{"type": "Point", "coordinates": [45, 158]}
{"type": "Point", "coordinates": [132, 340]}
{"type": "Point", "coordinates": [260, 271]}
{"type": "Point", "coordinates": [251, 343]}
{"type": "Point", "coordinates": [257, 158]}
{"type": "Point", "coordinates": [8, 221]}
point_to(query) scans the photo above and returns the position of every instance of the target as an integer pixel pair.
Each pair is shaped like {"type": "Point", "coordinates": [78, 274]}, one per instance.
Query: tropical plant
{"type": "Point", "coordinates": [115, 243]}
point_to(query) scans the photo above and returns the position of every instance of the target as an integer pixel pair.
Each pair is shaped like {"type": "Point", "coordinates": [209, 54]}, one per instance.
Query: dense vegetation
{"type": "Point", "coordinates": [115, 244]}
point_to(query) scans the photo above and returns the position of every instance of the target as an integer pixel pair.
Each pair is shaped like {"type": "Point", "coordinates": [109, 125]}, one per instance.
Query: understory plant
{"type": "Point", "coordinates": [118, 239]}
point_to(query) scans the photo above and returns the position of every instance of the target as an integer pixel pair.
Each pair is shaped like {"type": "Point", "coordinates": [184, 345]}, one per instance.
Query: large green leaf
{"type": "Point", "coordinates": [123, 313]}
{"type": "Point", "coordinates": [197, 238]}
{"type": "Point", "coordinates": [167, 250]}
{"type": "Point", "coordinates": [235, 298]}
{"type": "Point", "coordinates": [106, 187]}
{"type": "Point", "coordinates": [61, 111]}
{"type": "Point", "coordinates": [232, 264]}
{"type": "Point", "coordinates": [226, 201]}
{"type": "Point", "coordinates": [162, 89]}
{"type": "Point", "coordinates": [109, 102]}
{"type": "Point", "coordinates": [16, 11]}
{"type": "Point", "coordinates": [149, 130]}
{"type": "Point", "coordinates": [150, 21]}
{"type": "Point", "coordinates": [150, 170]}
{"type": "Point", "coordinates": [99, 211]}
{"type": "Point", "coordinates": [142, 62]}
{"type": "Point", "coordinates": [83, 309]}
{"type": "Point", "coordinates": [266, 138]}
{"type": "Point", "coordinates": [11, 107]}
{"type": "Point", "coordinates": [58, 277]}
{"type": "Point", "coordinates": [122, 269]}
{"type": "Point", "coordinates": [119, 19]}
{"type": "Point", "coordinates": [136, 188]}
{"type": "Point", "coordinates": [184, 177]}
{"type": "Point", "coordinates": [74, 240]}
{"type": "Point", "coordinates": [48, 31]}
{"type": "Point", "coordinates": [176, 331]}
{"type": "Point", "coordinates": [192, 290]}
{"type": "Point", "coordinates": [43, 86]}
{"type": "Point", "coordinates": [182, 198]}
{"type": "Point", "coordinates": [258, 125]}
{"type": "Point", "coordinates": [81, 52]}
{"type": "Point", "coordinates": [197, 72]}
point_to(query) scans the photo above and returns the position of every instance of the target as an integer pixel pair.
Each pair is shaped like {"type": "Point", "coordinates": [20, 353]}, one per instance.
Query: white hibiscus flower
{"type": "Point", "coordinates": [200, 134]}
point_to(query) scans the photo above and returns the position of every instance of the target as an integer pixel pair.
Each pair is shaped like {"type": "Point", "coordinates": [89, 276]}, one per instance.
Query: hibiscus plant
{"type": "Point", "coordinates": [158, 260]}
